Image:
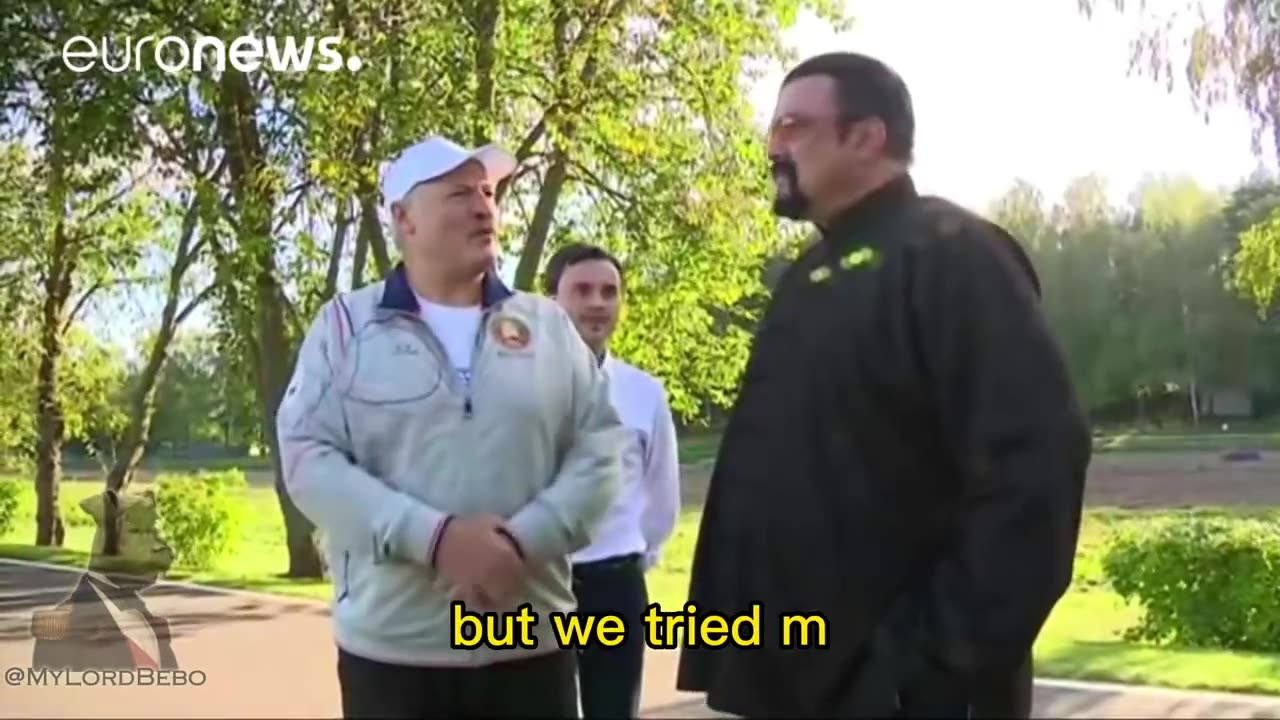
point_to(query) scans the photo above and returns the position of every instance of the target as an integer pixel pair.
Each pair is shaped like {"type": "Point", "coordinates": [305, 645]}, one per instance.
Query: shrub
{"type": "Point", "coordinates": [10, 496]}
{"type": "Point", "coordinates": [1202, 582]}
{"type": "Point", "coordinates": [74, 516]}
{"type": "Point", "coordinates": [199, 515]}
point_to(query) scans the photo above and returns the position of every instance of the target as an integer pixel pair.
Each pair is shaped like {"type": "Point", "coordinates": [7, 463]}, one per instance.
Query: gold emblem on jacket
{"type": "Point", "coordinates": [511, 332]}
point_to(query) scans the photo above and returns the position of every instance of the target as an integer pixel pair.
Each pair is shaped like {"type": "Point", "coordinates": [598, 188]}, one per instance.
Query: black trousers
{"type": "Point", "coordinates": [999, 696]}
{"type": "Point", "coordinates": [537, 687]}
{"type": "Point", "coordinates": [1007, 696]}
{"type": "Point", "coordinates": [609, 677]}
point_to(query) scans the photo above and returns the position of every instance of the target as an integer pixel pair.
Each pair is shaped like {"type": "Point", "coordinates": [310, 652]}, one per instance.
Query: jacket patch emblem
{"type": "Point", "coordinates": [861, 256]}
{"type": "Point", "coordinates": [511, 332]}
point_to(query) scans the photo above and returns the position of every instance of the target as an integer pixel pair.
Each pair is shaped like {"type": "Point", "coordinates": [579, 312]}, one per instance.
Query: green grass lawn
{"type": "Point", "coordinates": [1083, 637]}
{"type": "Point", "coordinates": [259, 558]}
{"type": "Point", "coordinates": [1081, 640]}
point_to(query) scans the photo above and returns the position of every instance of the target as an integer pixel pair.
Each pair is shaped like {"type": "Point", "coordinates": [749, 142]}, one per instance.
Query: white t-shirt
{"type": "Point", "coordinates": [456, 328]}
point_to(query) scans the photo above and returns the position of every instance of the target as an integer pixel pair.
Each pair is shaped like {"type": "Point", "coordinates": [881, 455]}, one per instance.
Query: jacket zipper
{"type": "Point", "coordinates": [467, 405]}
{"type": "Point", "coordinates": [438, 348]}
{"type": "Point", "coordinates": [346, 568]}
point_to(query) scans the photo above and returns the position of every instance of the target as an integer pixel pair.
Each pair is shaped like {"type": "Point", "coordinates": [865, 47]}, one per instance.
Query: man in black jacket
{"type": "Point", "coordinates": [906, 455]}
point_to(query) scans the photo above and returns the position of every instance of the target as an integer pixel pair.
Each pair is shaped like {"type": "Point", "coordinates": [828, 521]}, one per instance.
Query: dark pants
{"type": "Point", "coordinates": [1008, 696]}
{"type": "Point", "coordinates": [537, 687]}
{"type": "Point", "coordinates": [1000, 695]}
{"type": "Point", "coordinates": [610, 676]}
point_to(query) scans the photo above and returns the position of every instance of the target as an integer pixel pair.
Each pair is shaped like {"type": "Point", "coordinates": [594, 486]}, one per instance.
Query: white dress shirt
{"type": "Point", "coordinates": [645, 512]}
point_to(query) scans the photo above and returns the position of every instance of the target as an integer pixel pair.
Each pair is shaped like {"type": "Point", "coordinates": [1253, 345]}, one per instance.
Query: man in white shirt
{"type": "Point", "coordinates": [608, 575]}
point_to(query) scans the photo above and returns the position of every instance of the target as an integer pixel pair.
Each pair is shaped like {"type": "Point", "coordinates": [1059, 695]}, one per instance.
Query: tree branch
{"type": "Point", "coordinates": [534, 135]}
{"type": "Point", "coordinates": [301, 190]}
{"type": "Point", "coordinates": [523, 152]}
{"type": "Point", "coordinates": [594, 180]}
{"type": "Point", "coordinates": [80, 303]}
{"type": "Point", "coordinates": [195, 302]}
{"type": "Point", "coordinates": [111, 201]}
{"type": "Point", "coordinates": [184, 252]}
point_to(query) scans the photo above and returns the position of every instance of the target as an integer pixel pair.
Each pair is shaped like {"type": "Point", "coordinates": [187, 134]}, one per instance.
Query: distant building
{"type": "Point", "coordinates": [1232, 402]}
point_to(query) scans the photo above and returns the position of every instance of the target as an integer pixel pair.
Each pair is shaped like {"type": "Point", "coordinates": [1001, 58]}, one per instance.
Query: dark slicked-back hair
{"type": "Point", "coordinates": [866, 87]}
{"type": "Point", "coordinates": [572, 254]}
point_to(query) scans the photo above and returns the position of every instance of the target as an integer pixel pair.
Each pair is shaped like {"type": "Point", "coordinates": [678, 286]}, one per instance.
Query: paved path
{"type": "Point", "coordinates": [267, 656]}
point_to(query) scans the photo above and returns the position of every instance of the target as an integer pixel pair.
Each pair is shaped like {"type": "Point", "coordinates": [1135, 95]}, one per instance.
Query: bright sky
{"type": "Point", "coordinates": [1033, 89]}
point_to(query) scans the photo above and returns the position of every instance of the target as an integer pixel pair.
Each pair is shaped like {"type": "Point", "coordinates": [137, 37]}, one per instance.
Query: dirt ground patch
{"type": "Point", "coordinates": [1182, 480]}
{"type": "Point", "coordinates": [1137, 480]}
{"type": "Point", "coordinates": [1122, 479]}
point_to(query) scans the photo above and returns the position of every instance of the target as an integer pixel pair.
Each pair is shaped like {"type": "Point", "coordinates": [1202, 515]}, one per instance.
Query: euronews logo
{"type": "Point", "coordinates": [174, 54]}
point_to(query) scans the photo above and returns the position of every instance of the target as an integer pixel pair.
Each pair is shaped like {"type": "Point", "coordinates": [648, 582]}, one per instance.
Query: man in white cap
{"type": "Point", "coordinates": [454, 441]}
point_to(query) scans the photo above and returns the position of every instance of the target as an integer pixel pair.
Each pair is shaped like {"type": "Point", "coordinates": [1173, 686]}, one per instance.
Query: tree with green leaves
{"type": "Point", "coordinates": [1137, 294]}
{"type": "Point", "coordinates": [77, 253]}
{"type": "Point", "coordinates": [184, 249]}
{"type": "Point", "coordinates": [1230, 57]}
{"type": "Point", "coordinates": [202, 400]}
{"type": "Point", "coordinates": [630, 122]}
{"type": "Point", "coordinates": [85, 166]}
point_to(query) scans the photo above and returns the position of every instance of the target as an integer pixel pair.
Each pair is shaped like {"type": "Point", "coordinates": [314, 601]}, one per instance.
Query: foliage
{"type": "Point", "coordinates": [1231, 57]}
{"type": "Point", "coordinates": [633, 130]}
{"type": "Point", "coordinates": [1138, 295]}
{"type": "Point", "coordinates": [202, 398]}
{"type": "Point", "coordinates": [90, 378]}
{"type": "Point", "coordinates": [1202, 582]}
{"type": "Point", "coordinates": [11, 492]}
{"type": "Point", "coordinates": [1257, 262]}
{"type": "Point", "coordinates": [200, 515]}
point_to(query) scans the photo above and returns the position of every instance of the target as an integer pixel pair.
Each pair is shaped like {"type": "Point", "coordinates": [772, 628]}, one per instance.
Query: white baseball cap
{"type": "Point", "coordinates": [436, 156]}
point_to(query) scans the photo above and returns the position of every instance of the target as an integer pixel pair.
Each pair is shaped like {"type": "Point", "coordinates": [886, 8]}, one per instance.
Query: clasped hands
{"type": "Point", "coordinates": [479, 562]}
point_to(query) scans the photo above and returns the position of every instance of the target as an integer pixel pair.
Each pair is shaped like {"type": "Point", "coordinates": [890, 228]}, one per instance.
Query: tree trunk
{"type": "Point", "coordinates": [485, 23]}
{"type": "Point", "coordinates": [360, 258]}
{"type": "Point", "coordinates": [540, 227]}
{"type": "Point", "coordinates": [50, 425]}
{"type": "Point", "coordinates": [274, 357]}
{"type": "Point", "coordinates": [371, 231]}
{"type": "Point", "coordinates": [50, 431]}
{"type": "Point", "coordinates": [142, 401]}
{"type": "Point", "coordinates": [1195, 403]}
{"type": "Point", "coordinates": [142, 406]}
{"type": "Point", "coordinates": [335, 248]}
{"type": "Point", "coordinates": [274, 369]}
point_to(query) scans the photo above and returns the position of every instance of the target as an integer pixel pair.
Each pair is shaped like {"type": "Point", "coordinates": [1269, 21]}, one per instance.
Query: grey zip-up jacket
{"type": "Point", "coordinates": [381, 440]}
